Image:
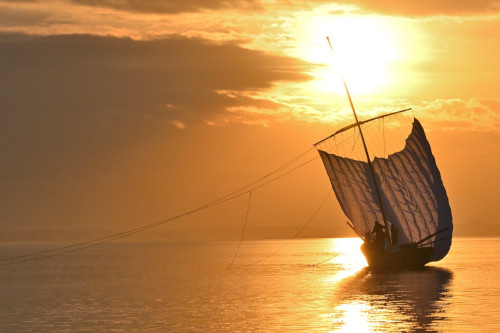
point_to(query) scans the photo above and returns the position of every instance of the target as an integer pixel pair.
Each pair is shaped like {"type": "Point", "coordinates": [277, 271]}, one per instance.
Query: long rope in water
{"type": "Point", "coordinates": [297, 234]}
{"type": "Point", "coordinates": [242, 232]}
{"type": "Point", "coordinates": [323, 261]}
{"type": "Point", "coordinates": [106, 239]}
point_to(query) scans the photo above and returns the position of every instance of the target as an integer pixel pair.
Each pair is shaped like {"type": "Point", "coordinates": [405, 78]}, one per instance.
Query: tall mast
{"type": "Point", "coordinates": [370, 164]}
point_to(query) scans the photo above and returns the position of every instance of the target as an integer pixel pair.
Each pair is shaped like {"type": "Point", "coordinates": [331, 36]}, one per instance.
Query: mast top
{"type": "Point", "coordinates": [368, 160]}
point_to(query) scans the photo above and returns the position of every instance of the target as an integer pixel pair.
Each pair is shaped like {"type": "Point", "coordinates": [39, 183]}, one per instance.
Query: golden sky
{"type": "Point", "coordinates": [118, 113]}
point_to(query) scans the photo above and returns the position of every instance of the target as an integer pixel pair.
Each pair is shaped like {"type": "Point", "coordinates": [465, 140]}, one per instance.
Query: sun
{"type": "Point", "coordinates": [364, 48]}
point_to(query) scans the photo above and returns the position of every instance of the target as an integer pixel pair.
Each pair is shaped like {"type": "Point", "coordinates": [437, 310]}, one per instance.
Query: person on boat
{"type": "Point", "coordinates": [379, 232]}
{"type": "Point", "coordinates": [394, 234]}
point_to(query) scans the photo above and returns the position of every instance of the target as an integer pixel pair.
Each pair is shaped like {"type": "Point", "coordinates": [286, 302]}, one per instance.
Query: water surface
{"type": "Point", "coordinates": [317, 285]}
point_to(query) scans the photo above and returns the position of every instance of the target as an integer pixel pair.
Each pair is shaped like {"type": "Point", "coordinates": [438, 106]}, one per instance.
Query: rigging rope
{"type": "Point", "coordinates": [297, 234]}
{"type": "Point", "coordinates": [264, 177]}
{"type": "Point", "coordinates": [242, 232]}
{"type": "Point", "coordinates": [106, 239]}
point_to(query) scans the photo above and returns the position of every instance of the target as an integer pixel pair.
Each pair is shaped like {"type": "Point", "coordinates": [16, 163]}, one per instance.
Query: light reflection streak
{"type": "Point", "coordinates": [364, 300]}
{"type": "Point", "coordinates": [349, 258]}
{"type": "Point", "coordinates": [354, 317]}
{"type": "Point", "coordinates": [392, 301]}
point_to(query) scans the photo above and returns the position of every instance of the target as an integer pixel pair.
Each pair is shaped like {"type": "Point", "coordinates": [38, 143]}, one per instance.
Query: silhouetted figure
{"type": "Point", "coordinates": [394, 234]}
{"type": "Point", "coordinates": [378, 230]}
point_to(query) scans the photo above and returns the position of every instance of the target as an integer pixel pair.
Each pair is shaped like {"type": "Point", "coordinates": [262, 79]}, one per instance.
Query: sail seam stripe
{"type": "Point", "coordinates": [426, 182]}
{"type": "Point", "coordinates": [410, 200]}
{"type": "Point", "coordinates": [431, 166]}
{"type": "Point", "coordinates": [414, 164]}
{"type": "Point", "coordinates": [391, 189]}
{"type": "Point", "coordinates": [356, 186]}
{"type": "Point", "coordinates": [327, 156]}
{"type": "Point", "coordinates": [346, 194]}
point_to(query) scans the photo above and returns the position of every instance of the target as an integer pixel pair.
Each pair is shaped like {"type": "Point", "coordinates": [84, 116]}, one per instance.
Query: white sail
{"type": "Point", "coordinates": [413, 195]}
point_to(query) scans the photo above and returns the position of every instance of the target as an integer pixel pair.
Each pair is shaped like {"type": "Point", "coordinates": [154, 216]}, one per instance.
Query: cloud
{"type": "Point", "coordinates": [412, 8]}
{"type": "Point", "coordinates": [69, 98]}
{"type": "Point", "coordinates": [178, 124]}
{"type": "Point", "coordinates": [17, 14]}
{"type": "Point", "coordinates": [387, 7]}
{"type": "Point", "coordinates": [479, 115]}
{"type": "Point", "coordinates": [172, 6]}
{"type": "Point", "coordinates": [428, 7]}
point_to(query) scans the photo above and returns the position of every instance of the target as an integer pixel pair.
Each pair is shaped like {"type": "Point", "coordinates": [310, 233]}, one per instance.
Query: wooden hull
{"type": "Point", "coordinates": [407, 256]}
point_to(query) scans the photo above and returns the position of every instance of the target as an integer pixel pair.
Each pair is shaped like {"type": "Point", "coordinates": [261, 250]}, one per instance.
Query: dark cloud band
{"type": "Point", "coordinates": [172, 6]}
{"type": "Point", "coordinates": [80, 95]}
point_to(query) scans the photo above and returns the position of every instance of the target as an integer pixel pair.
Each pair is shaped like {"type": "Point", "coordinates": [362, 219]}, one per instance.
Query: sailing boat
{"type": "Point", "coordinates": [403, 190]}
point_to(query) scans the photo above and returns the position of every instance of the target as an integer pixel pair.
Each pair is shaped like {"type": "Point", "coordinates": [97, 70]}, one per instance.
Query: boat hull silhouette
{"type": "Point", "coordinates": [406, 256]}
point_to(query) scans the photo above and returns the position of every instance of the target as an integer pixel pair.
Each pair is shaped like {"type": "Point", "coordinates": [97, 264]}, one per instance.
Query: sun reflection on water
{"type": "Point", "coordinates": [349, 258]}
{"type": "Point", "coordinates": [363, 300]}
{"type": "Point", "coordinates": [354, 317]}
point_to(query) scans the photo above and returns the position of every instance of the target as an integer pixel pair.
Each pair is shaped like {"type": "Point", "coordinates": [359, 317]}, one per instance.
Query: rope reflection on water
{"type": "Point", "coordinates": [186, 286]}
{"type": "Point", "coordinates": [343, 294]}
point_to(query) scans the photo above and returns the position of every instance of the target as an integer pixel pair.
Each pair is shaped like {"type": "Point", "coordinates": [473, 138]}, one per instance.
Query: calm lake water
{"type": "Point", "coordinates": [316, 285]}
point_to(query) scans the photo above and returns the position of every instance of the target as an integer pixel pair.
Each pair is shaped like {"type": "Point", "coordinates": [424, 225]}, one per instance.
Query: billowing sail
{"type": "Point", "coordinates": [413, 195]}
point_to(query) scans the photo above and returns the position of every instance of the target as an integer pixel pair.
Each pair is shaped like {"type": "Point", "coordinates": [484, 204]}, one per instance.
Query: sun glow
{"type": "Point", "coordinates": [364, 48]}
{"type": "Point", "coordinates": [350, 257]}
